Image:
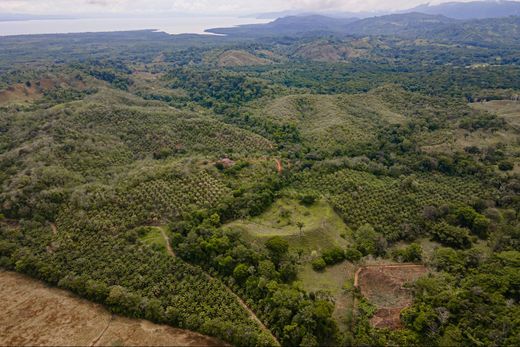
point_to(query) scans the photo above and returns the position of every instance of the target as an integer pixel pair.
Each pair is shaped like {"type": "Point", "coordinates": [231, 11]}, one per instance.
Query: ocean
{"type": "Point", "coordinates": [173, 25]}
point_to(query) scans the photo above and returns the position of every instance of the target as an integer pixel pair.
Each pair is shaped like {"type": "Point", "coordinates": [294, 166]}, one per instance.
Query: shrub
{"type": "Point", "coordinates": [308, 199]}
{"type": "Point", "coordinates": [352, 254]}
{"type": "Point", "coordinates": [319, 264]}
{"type": "Point", "coordinates": [412, 253]}
{"type": "Point", "coordinates": [333, 256]}
{"type": "Point", "coordinates": [506, 165]}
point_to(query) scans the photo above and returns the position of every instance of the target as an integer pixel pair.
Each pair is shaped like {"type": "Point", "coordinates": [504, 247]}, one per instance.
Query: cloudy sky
{"type": "Point", "coordinates": [200, 6]}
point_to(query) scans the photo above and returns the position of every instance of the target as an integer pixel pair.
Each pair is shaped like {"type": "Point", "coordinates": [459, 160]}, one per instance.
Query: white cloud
{"type": "Point", "coordinates": [199, 6]}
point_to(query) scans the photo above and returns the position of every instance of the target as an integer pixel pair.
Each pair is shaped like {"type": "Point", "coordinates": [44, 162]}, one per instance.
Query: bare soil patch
{"type": "Point", "coordinates": [384, 286]}
{"type": "Point", "coordinates": [33, 314]}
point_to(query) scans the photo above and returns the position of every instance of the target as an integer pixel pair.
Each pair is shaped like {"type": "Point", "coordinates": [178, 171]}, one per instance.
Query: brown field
{"type": "Point", "coordinates": [34, 314]}
{"type": "Point", "coordinates": [383, 286]}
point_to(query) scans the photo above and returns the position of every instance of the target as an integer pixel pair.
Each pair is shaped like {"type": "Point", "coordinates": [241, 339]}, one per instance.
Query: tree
{"type": "Point", "coordinates": [277, 247]}
{"type": "Point", "coordinates": [241, 272]}
{"type": "Point", "coordinates": [300, 226]}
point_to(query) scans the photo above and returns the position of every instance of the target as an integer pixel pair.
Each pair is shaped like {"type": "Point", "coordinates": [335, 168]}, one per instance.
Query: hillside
{"type": "Point", "coordinates": [313, 181]}
{"type": "Point", "coordinates": [472, 9]}
{"type": "Point", "coordinates": [407, 25]}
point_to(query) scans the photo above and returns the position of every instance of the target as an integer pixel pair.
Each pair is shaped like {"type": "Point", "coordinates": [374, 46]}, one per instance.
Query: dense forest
{"type": "Point", "coordinates": [222, 184]}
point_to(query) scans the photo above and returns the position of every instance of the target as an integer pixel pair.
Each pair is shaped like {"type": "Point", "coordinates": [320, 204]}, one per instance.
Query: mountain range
{"type": "Point", "coordinates": [456, 10]}
{"type": "Point", "coordinates": [415, 25]}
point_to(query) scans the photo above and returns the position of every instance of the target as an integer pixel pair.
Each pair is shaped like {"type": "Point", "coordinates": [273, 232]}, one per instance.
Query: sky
{"type": "Point", "coordinates": [201, 6]}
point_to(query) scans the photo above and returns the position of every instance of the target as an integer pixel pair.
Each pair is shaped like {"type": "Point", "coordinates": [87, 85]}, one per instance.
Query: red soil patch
{"type": "Point", "coordinates": [19, 93]}
{"type": "Point", "coordinates": [383, 286]}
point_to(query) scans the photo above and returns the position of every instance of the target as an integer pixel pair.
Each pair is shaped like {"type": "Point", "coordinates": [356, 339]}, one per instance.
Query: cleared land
{"type": "Point", "coordinates": [322, 226]}
{"type": "Point", "coordinates": [383, 286]}
{"type": "Point", "coordinates": [37, 315]}
{"type": "Point", "coordinates": [508, 109]}
{"type": "Point", "coordinates": [335, 280]}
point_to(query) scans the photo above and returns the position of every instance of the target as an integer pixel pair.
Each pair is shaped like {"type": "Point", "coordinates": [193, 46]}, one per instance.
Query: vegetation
{"type": "Point", "coordinates": [274, 167]}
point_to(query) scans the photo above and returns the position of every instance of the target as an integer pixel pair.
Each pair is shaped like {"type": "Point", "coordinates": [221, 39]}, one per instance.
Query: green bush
{"type": "Point", "coordinates": [308, 199]}
{"type": "Point", "coordinates": [319, 264]}
{"type": "Point", "coordinates": [352, 254]}
{"type": "Point", "coordinates": [506, 165]}
{"type": "Point", "coordinates": [409, 254]}
{"type": "Point", "coordinates": [333, 256]}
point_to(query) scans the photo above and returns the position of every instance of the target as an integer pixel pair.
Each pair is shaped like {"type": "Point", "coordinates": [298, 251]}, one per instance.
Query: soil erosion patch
{"type": "Point", "coordinates": [383, 286]}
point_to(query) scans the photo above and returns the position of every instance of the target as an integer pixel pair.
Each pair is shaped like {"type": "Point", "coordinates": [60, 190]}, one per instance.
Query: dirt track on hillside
{"type": "Point", "coordinates": [34, 314]}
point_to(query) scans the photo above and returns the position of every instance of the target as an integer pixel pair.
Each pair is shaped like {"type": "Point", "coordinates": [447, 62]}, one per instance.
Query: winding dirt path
{"type": "Point", "coordinates": [279, 166]}
{"type": "Point", "coordinates": [169, 248]}
{"type": "Point", "coordinates": [242, 303]}
{"type": "Point", "coordinates": [96, 340]}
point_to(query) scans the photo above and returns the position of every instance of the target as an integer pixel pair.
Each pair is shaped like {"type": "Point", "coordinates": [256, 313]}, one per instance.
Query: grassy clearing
{"type": "Point", "coordinates": [508, 109]}
{"type": "Point", "coordinates": [323, 228]}
{"type": "Point", "coordinates": [153, 237]}
{"type": "Point", "coordinates": [333, 280]}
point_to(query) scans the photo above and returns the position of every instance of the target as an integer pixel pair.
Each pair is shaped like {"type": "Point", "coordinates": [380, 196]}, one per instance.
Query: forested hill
{"type": "Point", "coordinates": [409, 25]}
{"type": "Point", "coordinates": [472, 9]}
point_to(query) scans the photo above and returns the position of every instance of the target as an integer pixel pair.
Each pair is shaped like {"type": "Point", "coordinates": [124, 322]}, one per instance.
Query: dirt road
{"type": "Point", "coordinates": [238, 298]}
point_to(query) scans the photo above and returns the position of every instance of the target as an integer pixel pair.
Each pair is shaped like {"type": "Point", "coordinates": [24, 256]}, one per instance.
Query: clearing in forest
{"type": "Point", "coordinates": [384, 286]}
{"type": "Point", "coordinates": [322, 227]}
{"type": "Point", "coordinates": [336, 280]}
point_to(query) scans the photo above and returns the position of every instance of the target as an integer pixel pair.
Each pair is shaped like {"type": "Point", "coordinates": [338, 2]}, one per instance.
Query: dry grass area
{"type": "Point", "coordinates": [508, 109]}
{"type": "Point", "coordinates": [36, 315]}
{"type": "Point", "coordinates": [19, 93]}
{"type": "Point", "coordinates": [240, 58]}
{"type": "Point", "coordinates": [383, 286]}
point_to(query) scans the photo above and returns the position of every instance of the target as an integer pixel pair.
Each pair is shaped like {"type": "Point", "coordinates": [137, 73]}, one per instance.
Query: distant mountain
{"type": "Point", "coordinates": [396, 24]}
{"type": "Point", "coordinates": [471, 10]}
{"type": "Point", "coordinates": [332, 14]}
{"type": "Point", "coordinates": [409, 25]}
{"type": "Point", "coordinates": [289, 26]}
{"type": "Point", "coordinates": [455, 10]}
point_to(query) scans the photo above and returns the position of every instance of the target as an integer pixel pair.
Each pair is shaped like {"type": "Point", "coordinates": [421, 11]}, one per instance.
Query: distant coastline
{"type": "Point", "coordinates": [174, 25]}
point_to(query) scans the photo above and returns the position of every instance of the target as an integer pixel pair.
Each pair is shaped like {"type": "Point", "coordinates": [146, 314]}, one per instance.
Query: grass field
{"type": "Point", "coordinates": [323, 228]}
